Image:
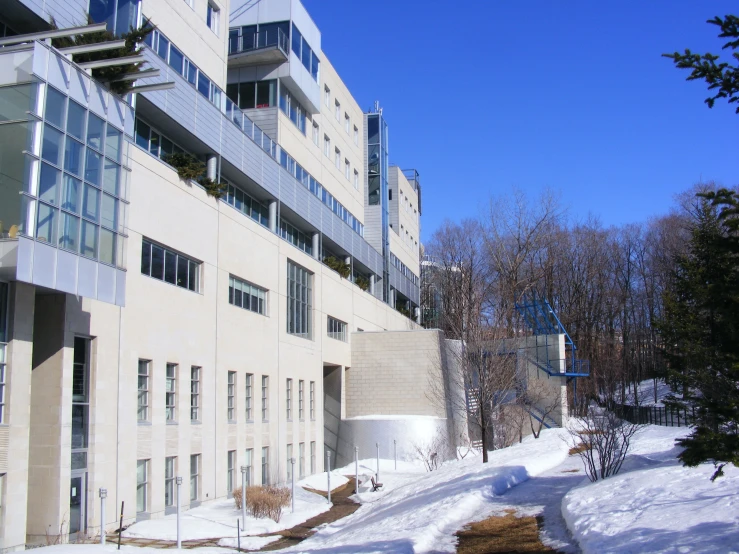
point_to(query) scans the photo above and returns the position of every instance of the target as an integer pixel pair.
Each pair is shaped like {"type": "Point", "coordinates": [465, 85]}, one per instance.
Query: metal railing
{"type": "Point", "coordinates": [238, 43]}
{"type": "Point", "coordinates": [666, 416]}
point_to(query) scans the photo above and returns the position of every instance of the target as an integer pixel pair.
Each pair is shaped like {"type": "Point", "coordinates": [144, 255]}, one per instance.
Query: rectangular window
{"type": "Point", "coordinates": [142, 485]}
{"type": "Point", "coordinates": [356, 135]}
{"type": "Point", "coordinates": [171, 392]}
{"type": "Point", "coordinates": [231, 471]}
{"type": "Point", "coordinates": [289, 399]}
{"type": "Point", "coordinates": [195, 393]}
{"type": "Point", "coordinates": [143, 386]}
{"type": "Point", "coordinates": [265, 392]}
{"type": "Point", "coordinates": [326, 146]}
{"type": "Point", "coordinates": [327, 96]}
{"type": "Point", "coordinates": [337, 110]}
{"type": "Point", "coordinates": [194, 477]}
{"type": "Point", "coordinates": [356, 179]}
{"type": "Point", "coordinates": [249, 463]}
{"type": "Point", "coordinates": [301, 460]}
{"type": "Point", "coordinates": [169, 480]}
{"type": "Point", "coordinates": [212, 17]}
{"type": "Point", "coordinates": [299, 301]}
{"type": "Point", "coordinates": [337, 158]}
{"type": "Point", "coordinates": [315, 133]}
{"type": "Point", "coordinates": [247, 400]}
{"type": "Point", "coordinates": [166, 265]}
{"type": "Point", "coordinates": [301, 411]}
{"type": "Point", "coordinates": [336, 329]}
{"type": "Point", "coordinates": [312, 457]}
{"type": "Point", "coordinates": [231, 396]}
{"type": "Point", "coordinates": [289, 462]}
{"type": "Point", "coordinates": [247, 296]}
{"type": "Point", "coordinates": [265, 465]}
{"type": "Point", "coordinates": [347, 123]}
{"type": "Point", "coordinates": [313, 400]}
{"type": "Point", "coordinates": [347, 169]}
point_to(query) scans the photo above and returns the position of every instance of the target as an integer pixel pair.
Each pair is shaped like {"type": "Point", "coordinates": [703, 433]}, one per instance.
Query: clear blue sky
{"type": "Point", "coordinates": [481, 96]}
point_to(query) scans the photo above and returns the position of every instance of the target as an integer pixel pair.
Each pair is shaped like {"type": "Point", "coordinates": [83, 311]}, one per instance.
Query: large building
{"type": "Point", "coordinates": [149, 330]}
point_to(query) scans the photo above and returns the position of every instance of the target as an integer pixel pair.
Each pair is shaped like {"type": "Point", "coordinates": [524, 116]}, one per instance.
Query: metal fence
{"type": "Point", "coordinates": [657, 415]}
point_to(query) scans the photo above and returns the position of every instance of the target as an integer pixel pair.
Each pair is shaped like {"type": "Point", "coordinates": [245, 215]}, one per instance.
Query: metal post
{"type": "Point", "coordinates": [328, 473]}
{"type": "Point", "coordinates": [395, 453]}
{"type": "Point", "coordinates": [103, 496]}
{"type": "Point", "coordinates": [120, 528]}
{"type": "Point", "coordinates": [377, 475]}
{"type": "Point", "coordinates": [292, 475]}
{"type": "Point", "coordinates": [243, 497]}
{"type": "Point", "coordinates": [178, 480]}
{"type": "Point", "coordinates": [238, 535]}
{"type": "Point", "coordinates": [356, 470]}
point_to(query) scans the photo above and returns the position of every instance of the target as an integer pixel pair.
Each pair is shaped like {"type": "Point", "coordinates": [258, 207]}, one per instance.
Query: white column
{"type": "Point", "coordinates": [273, 216]}
{"type": "Point", "coordinates": [316, 246]}
{"type": "Point", "coordinates": [211, 167]}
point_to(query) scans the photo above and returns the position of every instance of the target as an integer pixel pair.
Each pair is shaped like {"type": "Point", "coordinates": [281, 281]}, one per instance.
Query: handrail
{"type": "Point", "coordinates": [258, 40]}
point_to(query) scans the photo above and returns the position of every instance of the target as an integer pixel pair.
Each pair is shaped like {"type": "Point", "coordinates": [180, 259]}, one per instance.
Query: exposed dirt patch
{"type": "Point", "coordinates": [570, 471]}
{"type": "Point", "coordinates": [502, 534]}
{"type": "Point", "coordinates": [582, 447]}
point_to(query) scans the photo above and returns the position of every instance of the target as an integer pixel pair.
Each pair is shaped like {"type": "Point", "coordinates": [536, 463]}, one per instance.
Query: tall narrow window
{"type": "Point", "coordinates": [231, 395]}
{"type": "Point", "coordinates": [337, 158]}
{"type": "Point", "coordinates": [299, 301]}
{"type": "Point", "coordinates": [315, 133]}
{"type": "Point", "coordinates": [312, 457]}
{"type": "Point", "coordinates": [194, 477]}
{"type": "Point", "coordinates": [142, 485]}
{"type": "Point", "coordinates": [265, 391]}
{"type": "Point", "coordinates": [326, 146]}
{"type": "Point", "coordinates": [231, 471]}
{"type": "Point", "coordinates": [347, 169]}
{"type": "Point", "coordinates": [356, 179]}
{"type": "Point", "coordinates": [301, 460]}
{"type": "Point", "coordinates": [289, 462]}
{"type": "Point", "coordinates": [327, 96]}
{"type": "Point", "coordinates": [80, 402]}
{"type": "Point", "coordinates": [143, 385]}
{"type": "Point", "coordinates": [212, 17]}
{"type": "Point", "coordinates": [289, 399]}
{"type": "Point", "coordinates": [301, 384]}
{"type": "Point", "coordinates": [248, 397]}
{"type": "Point", "coordinates": [171, 392]}
{"type": "Point", "coordinates": [249, 463]}
{"type": "Point", "coordinates": [265, 465]}
{"type": "Point", "coordinates": [356, 135]}
{"type": "Point", "coordinates": [347, 123]}
{"type": "Point", "coordinates": [337, 110]}
{"type": "Point", "coordinates": [169, 480]}
{"type": "Point", "coordinates": [313, 400]}
{"type": "Point", "coordinates": [195, 393]}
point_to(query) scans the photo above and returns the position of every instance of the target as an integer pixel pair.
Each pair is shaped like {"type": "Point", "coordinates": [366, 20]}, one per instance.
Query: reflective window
{"type": "Point", "coordinates": [299, 300]}
{"type": "Point", "coordinates": [247, 296]}
{"type": "Point", "coordinates": [162, 264]}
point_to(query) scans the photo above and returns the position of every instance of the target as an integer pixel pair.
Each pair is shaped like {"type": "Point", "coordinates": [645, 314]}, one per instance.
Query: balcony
{"type": "Point", "coordinates": [260, 47]}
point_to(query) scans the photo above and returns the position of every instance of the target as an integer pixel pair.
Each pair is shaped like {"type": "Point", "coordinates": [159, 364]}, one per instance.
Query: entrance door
{"type": "Point", "coordinates": [77, 505]}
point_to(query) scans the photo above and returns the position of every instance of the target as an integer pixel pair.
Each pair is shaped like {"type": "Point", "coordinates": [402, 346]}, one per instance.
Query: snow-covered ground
{"type": "Point", "coordinates": [645, 393]}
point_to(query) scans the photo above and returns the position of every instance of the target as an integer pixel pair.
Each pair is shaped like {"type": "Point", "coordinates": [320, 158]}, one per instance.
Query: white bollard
{"type": "Point", "coordinates": [377, 475]}
{"type": "Point", "coordinates": [328, 473]}
{"type": "Point", "coordinates": [178, 480]}
{"type": "Point", "coordinates": [103, 496]}
{"type": "Point", "coordinates": [292, 475]}
{"type": "Point", "coordinates": [243, 498]}
{"type": "Point", "coordinates": [356, 470]}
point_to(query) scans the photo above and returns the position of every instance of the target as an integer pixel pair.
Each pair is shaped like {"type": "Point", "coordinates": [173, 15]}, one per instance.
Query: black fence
{"type": "Point", "coordinates": [656, 415]}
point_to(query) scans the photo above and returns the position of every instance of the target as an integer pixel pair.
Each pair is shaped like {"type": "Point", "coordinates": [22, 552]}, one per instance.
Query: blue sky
{"type": "Point", "coordinates": [483, 96]}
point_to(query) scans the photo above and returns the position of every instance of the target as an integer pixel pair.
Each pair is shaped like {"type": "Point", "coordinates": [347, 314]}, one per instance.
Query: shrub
{"type": "Point", "coordinates": [187, 165]}
{"type": "Point", "coordinates": [337, 265]}
{"type": "Point", "coordinates": [264, 501]}
{"type": "Point", "coordinates": [362, 282]}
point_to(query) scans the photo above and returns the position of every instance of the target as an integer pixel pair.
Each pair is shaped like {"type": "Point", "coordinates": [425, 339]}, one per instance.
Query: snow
{"type": "Point", "coordinates": [319, 481]}
{"type": "Point", "coordinates": [111, 548]}
{"type": "Point", "coordinates": [217, 519]}
{"type": "Point", "coordinates": [392, 417]}
{"type": "Point", "coordinates": [645, 393]}
{"type": "Point", "coordinates": [248, 543]}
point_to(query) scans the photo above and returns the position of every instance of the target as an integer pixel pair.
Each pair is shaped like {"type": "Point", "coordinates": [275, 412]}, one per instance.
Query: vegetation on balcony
{"type": "Point", "coordinates": [337, 265]}
{"type": "Point", "coordinates": [190, 168]}
{"type": "Point", "coordinates": [108, 75]}
{"type": "Point", "coordinates": [362, 282]}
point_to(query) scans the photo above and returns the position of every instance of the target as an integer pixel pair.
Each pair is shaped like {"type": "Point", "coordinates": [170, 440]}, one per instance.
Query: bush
{"type": "Point", "coordinates": [337, 265]}
{"type": "Point", "coordinates": [264, 501]}
{"type": "Point", "coordinates": [362, 282]}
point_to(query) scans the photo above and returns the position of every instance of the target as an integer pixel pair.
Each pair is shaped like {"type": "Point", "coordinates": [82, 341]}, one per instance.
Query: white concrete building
{"type": "Point", "coordinates": [147, 329]}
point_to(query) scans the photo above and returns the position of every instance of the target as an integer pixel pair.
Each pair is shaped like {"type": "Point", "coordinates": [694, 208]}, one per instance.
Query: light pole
{"type": "Point", "coordinates": [356, 470]}
{"type": "Point", "coordinates": [328, 473]}
{"type": "Point", "coordinates": [292, 475]}
{"type": "Point", "coordinates": [178, 480]}
{"type": "Point", "coordinates": [377, 475]}
{"type": "Point", "coordinates": [395, 454]}
{"type": "Point", "coordinates": [243, 498]}
{"type": "Point", "coordinates": [103, 496]}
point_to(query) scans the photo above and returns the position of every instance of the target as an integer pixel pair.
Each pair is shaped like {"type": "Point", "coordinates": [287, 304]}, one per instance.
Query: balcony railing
{"type": "Point", "coordinates": [267, 38]}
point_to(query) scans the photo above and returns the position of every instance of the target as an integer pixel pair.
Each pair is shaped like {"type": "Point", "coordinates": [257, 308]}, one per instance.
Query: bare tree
{"type": "Point", "coordinates": [539, 404]}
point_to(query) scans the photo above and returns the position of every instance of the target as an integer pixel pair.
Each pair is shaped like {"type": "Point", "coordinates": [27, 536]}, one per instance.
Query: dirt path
{"type": "Point", "coordinates": [498, 534]}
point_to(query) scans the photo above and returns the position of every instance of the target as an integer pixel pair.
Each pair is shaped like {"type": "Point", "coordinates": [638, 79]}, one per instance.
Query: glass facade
{"type": "Point", "coordinates": [3, 345]}
{"type": "Point", "coordinates": [254, 94]}
{"type": "Point", "coordinates": [296, 237]}
{"type": "Point", "coordinates": [377, 186]}
{"type": "Point", "coordinates": [299, 301]}
{"type": "Point", "coordinates": [119, 15]}
{"type": "Point", "coordinates": [305, 53]}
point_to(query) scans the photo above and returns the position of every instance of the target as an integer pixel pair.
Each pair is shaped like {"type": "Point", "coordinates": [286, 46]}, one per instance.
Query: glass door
{"type": "Point", "coordinates": [77, 505]}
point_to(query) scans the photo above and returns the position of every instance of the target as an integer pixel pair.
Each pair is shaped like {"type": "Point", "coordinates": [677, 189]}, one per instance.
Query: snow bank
{"type": "Point", "coordinates": [419, 512]}
{"type": "Point", "coordinates": [319, 481]}
{"type": "Point", "coordinates": [655, 504]}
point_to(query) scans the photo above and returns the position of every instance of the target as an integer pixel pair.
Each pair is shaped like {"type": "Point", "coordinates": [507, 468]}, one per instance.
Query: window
{"type": "Point", "coordinates": [336, 329]}
{"type": "Point", "coordinates": [231, 471]}
{"type": "Point", "coordinates": [337, 158]}
{"type": "Point", "coordinates": [142, 485]}
{"type": "Point", "coordinates": [247, 296]}
{"type": "Point", "coordinates": [347, 123]}
{"type": "Point", "coordinates": [212, 17]}
{"type": "Point", "coordinates": [337, 110]}
{"type": "Point", "coordinates": [265, 465]}
{"type": "Point", "coordinates": [80, 403]}
{"type": "Point", "coordinates": [2, 378]}
{"type": "Point", "coordinates": [356, 135]}
{"type": "Point", "coordinates": [289, 450]}
{"type": "Point", "coordinates": [119, 15]}
{"type": "Point", "coordinates": [292, 109]}
{"type": "Point", "coordinates": [289, 399]}
{"type": "Point", "coordinates": [327, 96]}
{"type": "Point", "coordinates": [313, 400]}
{"type": "Point", "coordinates": [166, 265]}
{"type": "Point", "coordinates": [315, 133]}
{"type": "Point", "coordinates": [312, 457]}
{"type": "Point", "coordinates": [301, 411]}
{"type": "Point", "coordinates": [301, 459]}
{"type": "Point", "coordinates": [347, 169]}
{"type": "Point", "coordinates": [195, 393]}
{"type": "Point", "coordinates": [265, 391]}
{"type": "Point", "coordinates": [251, 95]}
{"type": "Point", "coordinates": [169, 480]}
{"type": "Point", "coordinates": [356, 179]}
{"type": "Point", "coordinates": [194, 477]}
{"type": "Point", "coordinates": [231, 396]}
{"type": "Point", "coordinates": [304, 53]}
{"type": "Point", "coordinates": [246, 204]}
{"type": "Point", "coordinates": [143, 386]}
{"type": "Point", "coordinates": [247, 400]}
{"type": "Point", "coordinates": [299, 301]}
{"type": "Point", "coordinates": [171, 392]}
{"type": "Point", "coordinates": [249, 462]}
{"type": "Point", "coordinates": [326, 146]}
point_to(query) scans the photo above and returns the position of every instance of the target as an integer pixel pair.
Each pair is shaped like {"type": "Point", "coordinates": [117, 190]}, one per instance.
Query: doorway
{"type": "Point", "coordinates": [78, 504]}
